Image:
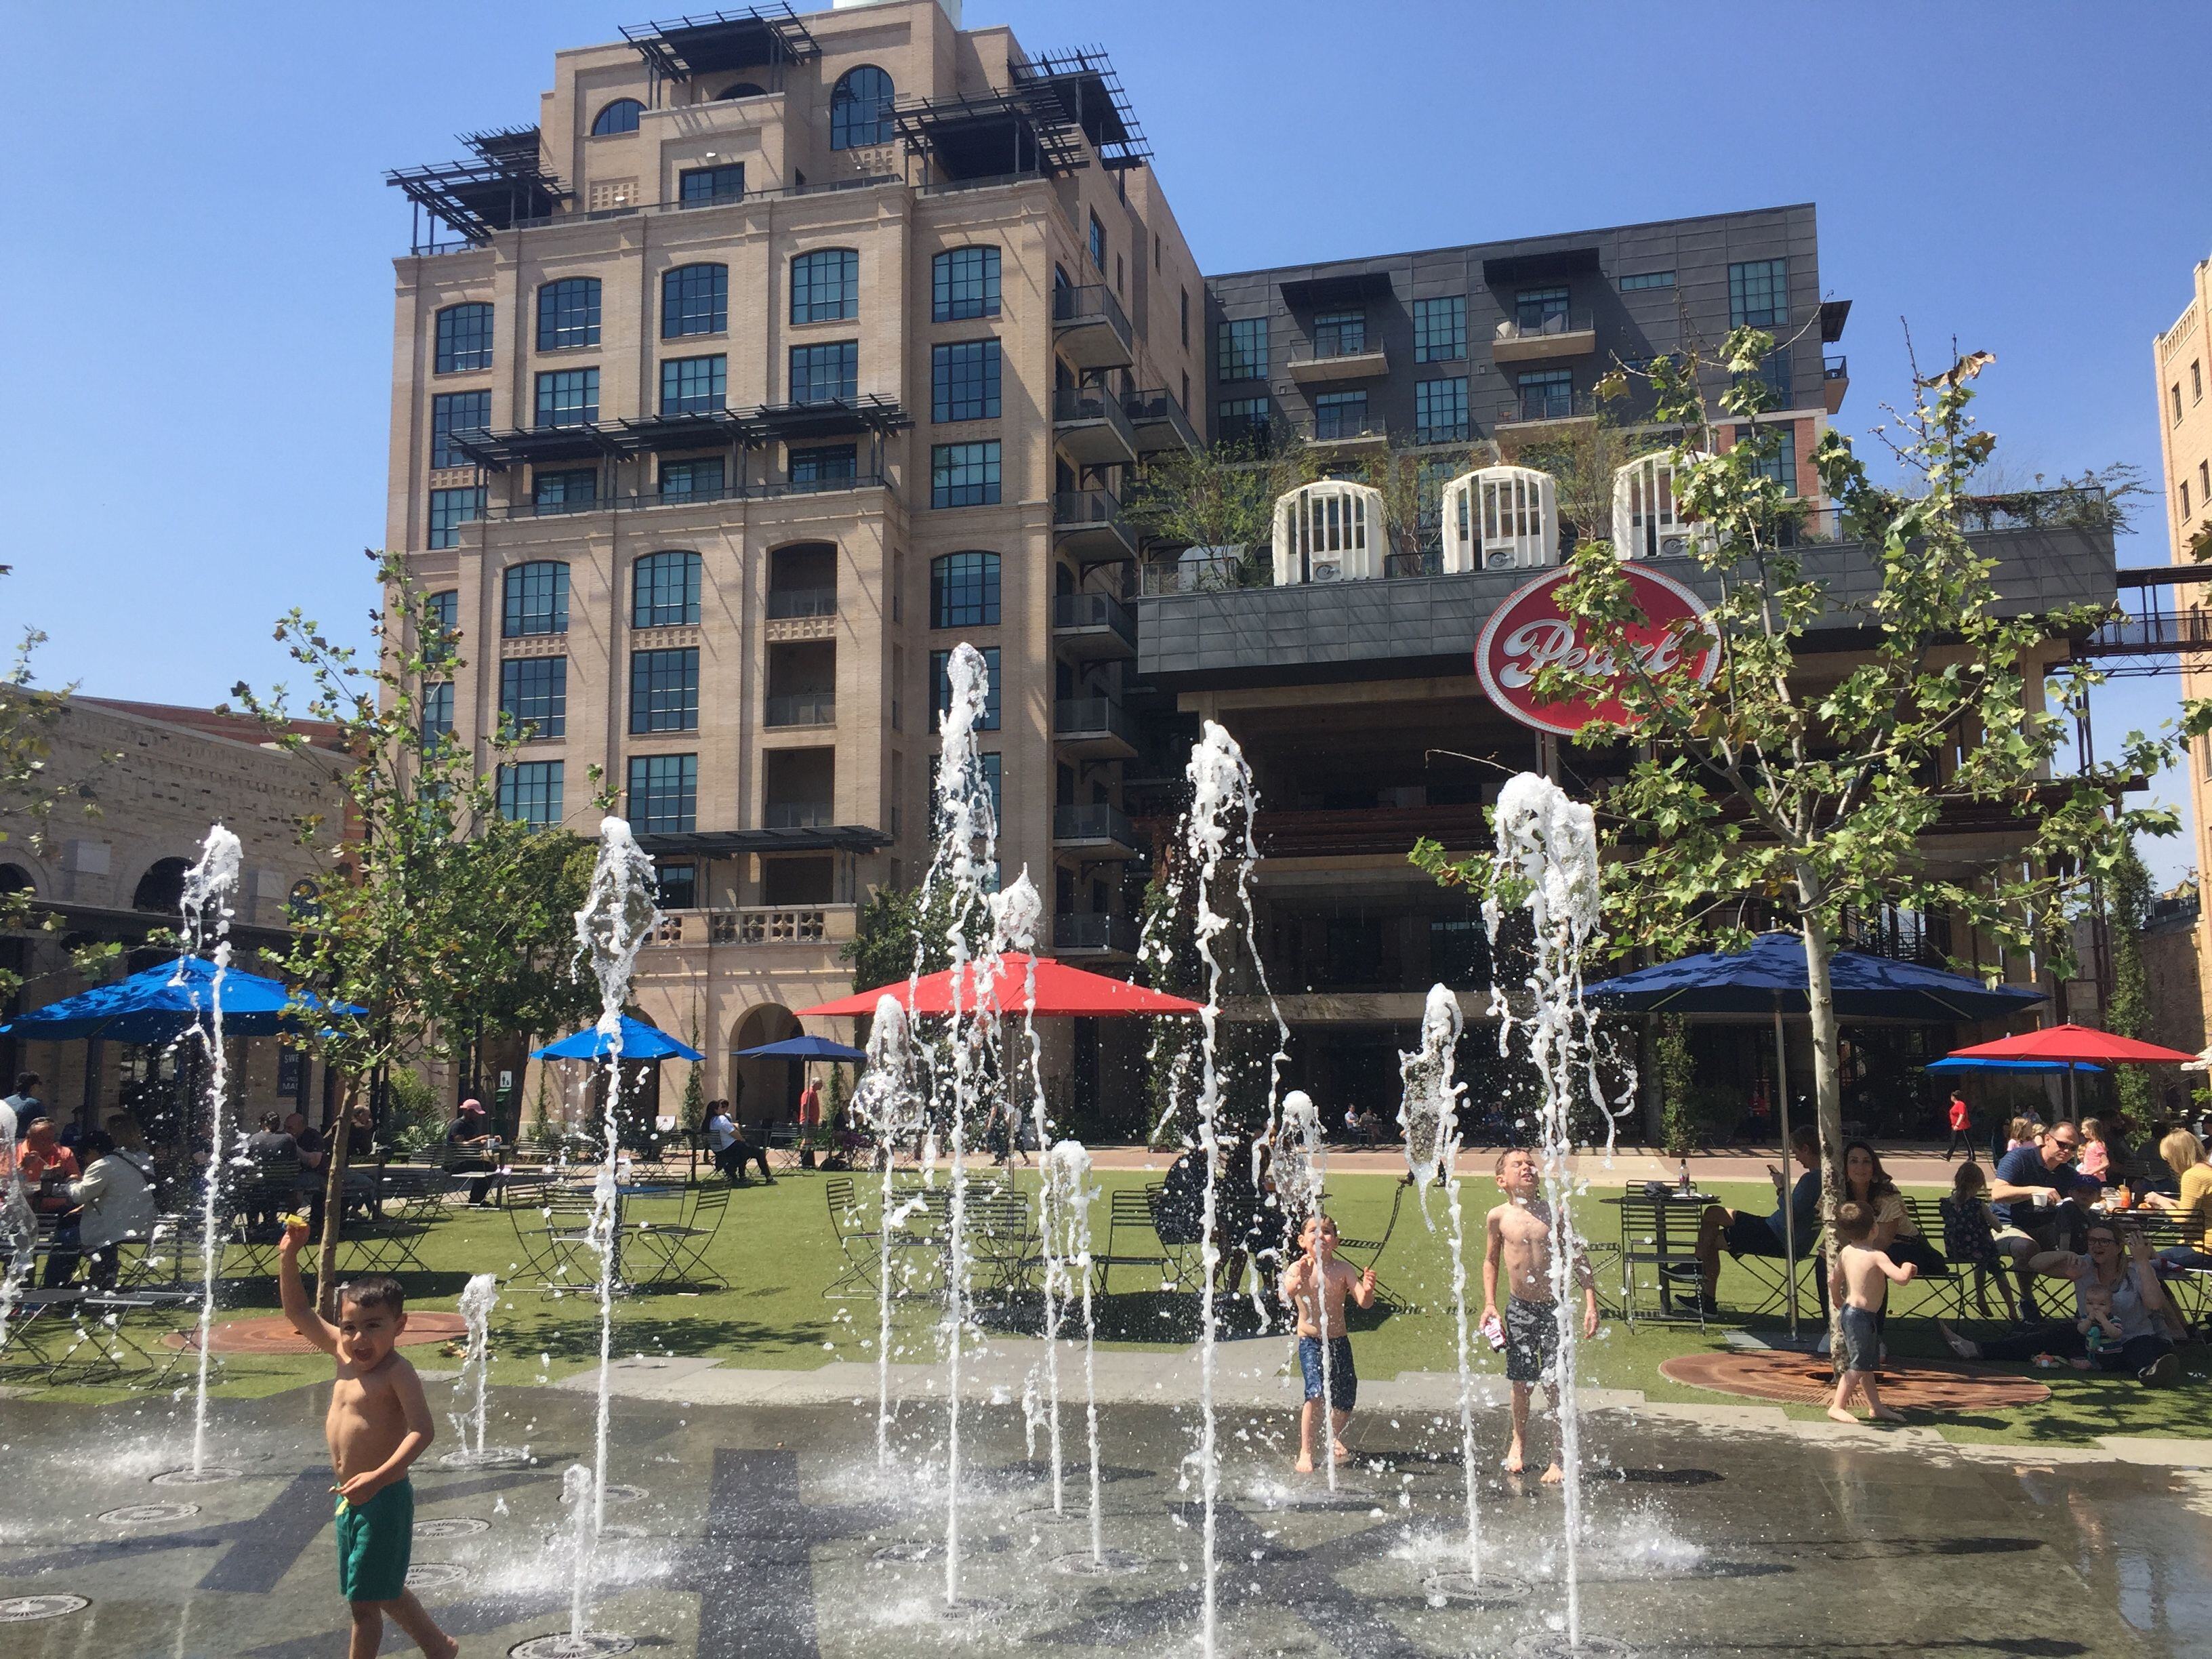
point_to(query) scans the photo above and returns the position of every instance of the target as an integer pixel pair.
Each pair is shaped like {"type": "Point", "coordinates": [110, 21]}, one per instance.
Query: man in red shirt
{"type": "Point", "coordinates": [1962, 1123]}
{"type": "Point", "coordinates": [46, 1168]}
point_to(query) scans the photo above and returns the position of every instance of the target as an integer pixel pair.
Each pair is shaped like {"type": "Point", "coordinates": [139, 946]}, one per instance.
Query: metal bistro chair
{"type": "Point", "coordinates": [1003, 1247]}
{"type": "Point", "coordinates": [675, 1253]}
{"type": "Point", "coordinates": [553, 1233]}
{"type": "Point", "coordinates": [1647, 1242]}
{"type": "Point", "coordinates": [82, 1336]}
{"type": "Point", "coordinates": [860, 1240]}
{"type": "Point", "coordinates": [2189, 1288]}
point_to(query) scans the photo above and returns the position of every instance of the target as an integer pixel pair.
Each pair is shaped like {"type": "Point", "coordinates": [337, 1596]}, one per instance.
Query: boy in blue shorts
{"type": "Point", "coordinates": [378, 1425]}
{"type": "Point", "coordinates": [1318, 1286]}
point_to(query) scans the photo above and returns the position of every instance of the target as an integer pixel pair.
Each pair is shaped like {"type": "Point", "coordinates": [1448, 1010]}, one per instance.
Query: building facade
{"type": "Point", "coordinates": [781, 355]}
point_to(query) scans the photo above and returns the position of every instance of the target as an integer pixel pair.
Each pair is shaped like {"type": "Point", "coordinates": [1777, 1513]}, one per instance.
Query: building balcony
{"type": "Point", "coordinates": [792, 602]}
{"type": "Point", "coordinates": [1099, 937]}
{"type": "Point", "coordinates": [1097, 831]}
{"type": "Point", "coordinates": [828, 925]}
{"type": "Point", "coordinates": [1092, 427]}
{"type": "Point", "coordinates": [1096, 728]}
{"type": "Point", "coordinates": [801, 708]}
{"type": "Point", "coordinates": [1088, 525]}
{"type": "Point", "coordinates": [1569, 334]}
{"type": "Point", "coordinates": [1347, 431]}
{"type": "Point", "coordinates": [1093, 628]}
{"type": "Point", "coordinates": [797, 815]}
{"type": "Point", "coordinates": [1543, 406]}
{"type": "Point", "coordinates": [1090, 328]}
{"type": "Point", "coordinates": [1322, 365]}
{"type": "Point", "coordinates": [1159, 422]}
{"type": "Point", "coordinates": [1835, 381]}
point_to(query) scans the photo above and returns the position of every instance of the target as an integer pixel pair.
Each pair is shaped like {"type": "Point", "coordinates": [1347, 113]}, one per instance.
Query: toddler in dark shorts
{"type": "Point", "coordinates": [1317, 1287]}
{"type": "Point", "coordinates": [1859, 1286]}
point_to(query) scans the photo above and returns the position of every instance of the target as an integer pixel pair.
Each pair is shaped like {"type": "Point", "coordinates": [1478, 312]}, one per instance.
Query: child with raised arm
{"type": "Point", "coordinates": [1317, 1287]}
{"type": "Point", "coordinates": [1859, 1286]}
{"type": "Point", "coordinates": [378, 1425]}
{"type": "Point", "coordinates": [1518, 1236]}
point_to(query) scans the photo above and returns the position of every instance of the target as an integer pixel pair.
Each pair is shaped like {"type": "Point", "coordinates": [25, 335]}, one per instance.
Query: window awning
{"type": "Point", "coordinates": [1347, 288]}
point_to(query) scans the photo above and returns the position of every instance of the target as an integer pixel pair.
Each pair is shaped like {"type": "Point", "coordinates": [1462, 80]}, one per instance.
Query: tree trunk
{"type": "Point", "coordinates": [334, 1170]}
{"type": "Point", "coordinates": [1827, 1100]}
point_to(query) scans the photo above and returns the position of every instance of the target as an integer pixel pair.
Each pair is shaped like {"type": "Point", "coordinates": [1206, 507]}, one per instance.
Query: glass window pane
{"type": "Point", "coordinates": [1242, 349]}
{"type": "Point", "coordinates": [530, 792]}
{"type": "Point", "coordinates": [704, 186]}
{"type": "Point", "coordinates": [965, 283]}
{"type": "Point", "coordinates": [940, 688]}
{"type": "Point", "coordinates": [664, 590]}
{"type": "Point", "coordinates": [1339, 333]}
{"type": "Point", "coordinates": [451, 412]}
{"type": "Point", "coordinates": [564, 492]}
{"type": "Point", "coordinates": [664, 793]}
{"type": "Point", "coordinates": [568, 396]}
{"type": "Point", "coordinates": [1440, 411]}
{"type": "Point", "coordinates": [1533, 307]}
{"type": "Point", "coordinates": [964, 474]}
{"type": "Point", "coordinates": [1440, 329]}
{"type": "Point", "coordinates": [621, 115]}
{"type": "Point", "coordinates": [452, 508]}
{"type": "Point", "coordinates": [464, 338]}
{"type": "Point", "coordinates": [964, 591]}
{"type": "Point", "coordinates": [701, 479]}
{"type": "Point", "coordinates": [692, 385]}
{"type": "Point", "coordinates": [963, 380]}
{"type": "Point", "coordinates": [860, 108]}
{"type": "Point", "coordinates": [694, 300]}
{"type": "Point", "coordinates": [664, 690]}
{"type": "Point", "coordinates": [1759, 294]}
{"type": "Point", "coordinates": [820, 374]}
{"type": "Point", "coordinates": [533, 696]}
{"type": "Point", "coordinates": [437, 706]}
{"type": "Point", "coordinates": [568, 314]}
{"type": "Point", "coordinates": [825, 285]}
{"type": "Point", "coordinates": [534, 599]}
{"type": "Point", "coordinates": [1647, 279]}
{"type": "Point", "coordinates": [824, 463]}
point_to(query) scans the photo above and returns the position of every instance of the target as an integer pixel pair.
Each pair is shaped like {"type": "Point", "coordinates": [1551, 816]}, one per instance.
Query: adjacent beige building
{"type": "Point", "coordinates": [782, 354]}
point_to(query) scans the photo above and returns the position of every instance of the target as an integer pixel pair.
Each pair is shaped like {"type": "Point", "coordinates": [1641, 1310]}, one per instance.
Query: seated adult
{"type": "Point", "coordinates": [469, 1144]}
{"type": "Point", "coordinates": [1746, 1234]}
{"type": "Point", "coordinates": [2125, 1282]}
{"type": "Point", "coordinates": [311, 1158]}
{"type": "Point", "coordinates": [2033, 1189]}
{"type": "Point", "coordinates": [116, 1197]}
{"type": "Point", "coordinates": [1359, 1124]}
{"type": "Point", "coordinates": [732, 1151]}
{"type": "Point", "coordinates": [2183, 1154]}
{"type": "Point", "coordinates": [1179, 1216]}
{"type": "Point", "coordinates": [47, 1169]}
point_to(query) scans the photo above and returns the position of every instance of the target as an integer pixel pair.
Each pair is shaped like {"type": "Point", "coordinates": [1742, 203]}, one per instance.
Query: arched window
{"type": "Point", "coordinates": [464, 338]}
{"type": "Point", "coordinates": [14, 878]}
{"type": "Point", "coordinates": [161, 887]}
{"type": "Point", "coordinates": [742, 89]}
{"type": "Point", "coordinates": [964, 284]}
{"type": "Point", "coordinates": [860, 108]}
{"type": "Point", "coordinates": [694, 300]}
{"type": "Point", "coordinates": [568, 314]}
{"type": "Point", "coordinates": [664, 591]}
{"type": "Point", "coordinates": [534, 599]}
{"type": "Point", "coordinates": [621, 115]}
{"type": "Point", "coordinates": [825, 285]}
{"type": "Point", "coordinates": [964, 591]}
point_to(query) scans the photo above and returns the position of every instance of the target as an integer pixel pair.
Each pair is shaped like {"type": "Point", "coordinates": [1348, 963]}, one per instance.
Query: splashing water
{"type": "Point", "coordinates": [1301, 1167]}
{"type": "Point", "coordinates": [884, 1101]}
{"type": "Point", "coordinates": [479, 1299]}
{"type": "Point", "coordinates": [1067, 1179]}
{"type": "Point", "coordinates": [210, 887]}
{"type": "Point", "coordinates": [1547, 864]}
{"type": "Point", "coordinates": [584, 1497]}
{"type": "Point", "coordinates": [613, 927]}
{"type": "Point", "coordinates": [1428, 1112]}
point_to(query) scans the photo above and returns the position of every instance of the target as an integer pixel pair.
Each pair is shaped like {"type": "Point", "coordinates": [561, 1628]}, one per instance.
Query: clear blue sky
{"type": "Point", "coordinates": [198, 302]}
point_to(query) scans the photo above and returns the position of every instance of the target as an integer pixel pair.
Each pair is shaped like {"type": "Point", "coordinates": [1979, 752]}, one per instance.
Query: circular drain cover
{"type": "Point", "coordinates": [435, 1574]}
{"type": "Point", "coordinates": [970, 1610]}
{"type": "Point", "coordinates": [21, 1609]}
{"type": "Point", "coordinates": [1545, 1644]}
{"type": "Point", "coordinates": [913, 1550]}
{"type": "Point", "coordinates": [142, 1515]}
{"type": "Point", "coordinates": [491, 1457]}
{"type": "Point", "coordinates": [617, 1494]}
{"type": "Point", "coordinates": [1491, 1590]}
{"type": "Point", "coordinates": [450, 1526]}
{"type": "Point", "coordinates": [1084, 1566]}
{"type": "Point", "coordinates": [207, 1477]}
{"type": "Point", "coordinates": [591, 1644]}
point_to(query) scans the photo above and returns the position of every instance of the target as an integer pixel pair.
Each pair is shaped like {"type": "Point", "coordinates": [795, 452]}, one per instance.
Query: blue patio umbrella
{"type": "Point", "coordinates": [803, 1046]}
{"type": "Point", "coordinates": [1770, 978]}
{"type": "Point", "coordinates": [161, 1004]}
{"type": "Point", "coordinates": [1954, 1063]}
{"type": "Point", "coordinates": [638, 1041]}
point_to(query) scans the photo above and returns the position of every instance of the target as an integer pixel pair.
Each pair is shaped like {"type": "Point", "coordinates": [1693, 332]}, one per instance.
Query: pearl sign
{"type": "Point", "coordinates": [1529, 633]}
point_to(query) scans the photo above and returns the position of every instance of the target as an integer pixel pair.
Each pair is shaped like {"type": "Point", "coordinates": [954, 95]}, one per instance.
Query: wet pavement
{"type": "Point", "coordinates": [767, 1531]}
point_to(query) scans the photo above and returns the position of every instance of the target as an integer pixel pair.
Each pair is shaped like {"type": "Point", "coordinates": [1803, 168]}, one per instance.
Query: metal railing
{"type": "Point", "coordinates": [1084, 717]}
{"type": "Point", "coordinates": [1094, 303]}
{"type": "Point", "coordinates": [1557, 323]}
{"type": "Point", "coordinates": [797, 815]}
{"type": "Point", "coordinates": [801, 708]}
{"type": "Point", "coordinates": [1836, 369]}
{"type": "Point", "coordinates": [826, 486]}
{"type": "Point", "coordinates": [1159, 407]}
{"type": "Point", "coordinates": [1220, 574]}
{"type": "Point", "coordinates": [1118, 934]}
{"type": "Point", "coordinates": [1081, 405]}
{"type": "Point", "coordinates": [1544, 404]}
{"type": "Point", "coordinates": [1098, 821]}
{"type": "Point", "coordinates": [1335, 425]}
{"type": "Point", "coordinates": [1454, 432]}
{"type": "Point", "coordinates": [1074, 508]}
{"type": "Point", "coordinates": [787, 602]}
{"type": "Point", "coordinates": [1073, 610]}
{"type": "Point", "coordinates": [639, 500]}
{"type": "Point", "coordinates": [1322, 350]}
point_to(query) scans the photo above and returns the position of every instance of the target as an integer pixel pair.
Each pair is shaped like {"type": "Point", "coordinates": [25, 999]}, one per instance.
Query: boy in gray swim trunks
{"type": "Point", "coordinates": [1518, 1236]}
{"type": "Point", "coordinates": [1859, 1285]}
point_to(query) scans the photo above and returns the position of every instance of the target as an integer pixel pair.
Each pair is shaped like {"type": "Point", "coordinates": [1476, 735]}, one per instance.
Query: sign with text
{"type": "Point", "coordinates": [1529, 633]}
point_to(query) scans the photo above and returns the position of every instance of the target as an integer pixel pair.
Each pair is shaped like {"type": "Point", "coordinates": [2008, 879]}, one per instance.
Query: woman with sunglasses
{"type": "Point", "coordinates": [2128, 1277]}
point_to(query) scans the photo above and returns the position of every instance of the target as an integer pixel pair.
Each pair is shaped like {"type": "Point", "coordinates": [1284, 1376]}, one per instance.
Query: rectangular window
{"type": "Point", "coordinates": [1339, 333]}
{"type": "Point", "coordinates": [533, 695]}
{"type": "Point", "coordinates": [664, 690]}
{"type": "Point", "coordinates": [694, 300]}
{"type": "Point", "coordinates": [1535, 307]}
{"type": "Point", "coordinates": [1241, 420]}
{"type": "Point", "coordinates": [568, 314]}
{"type": "Point", "coordinates": [1339, 414]}
{"type": "Point", "coordinates": [664, 794]}
{"type": "Point", "coordinates": [1440, 329]}
{"type": "Point", "coordinates": [452, 508]}
{"type": "Point", "coordinates": [704, 186]}
{"type": "Point", "coordinates": [964, 381]}
{"type": "Point", "coordinates": [464, 338]}
{"type": "Point", "coordinates": [2203, 481]}
{"type": "Point", "coordinates": [1440, 411]}
{"type": "Point", "coordinates": [826, 465]}
{"type": "Point", "coordinates": [1647, 279]}
{"type": "Point", "coordinates": [437, 713]}
{"type": "Point", "coordinates": [1775, 371]}
{"type": "Point", "coordinates": [940, 689]}
{"type": "Point", "coordinates": [1097, 244]}
{"type": "Point", "coordinates": [2185, 498]}
{"type": "Point", "coordinates": [1241, 350]}
{"type": "Point", "coordinates": [451, 412]}
{"type": "Point", "coordinates": [2196, 381]}
{"type": "Point", "coordinates": [530, 792]}
{"type": "Point", "coordinates": [822, 372]}
{"type": "Point", "coordinates": [964, 474]}
{"type": "Point", "coordinates": [1547, 394]}
{"type": "Point", "coordinates": [563, 492]}
{"type": "Point", "coordinates": [964, 284]}
{"type": "Point", "coordinates": [825, 285]}
{"type": "Point", "coordinates": [964, 591]}
{"type": "Point", "coordinates": [692, 385]}
{"type": "Point", "coordinates": [568, 396]}
{"type": "Point", "coordinates": [698, 480]}
{"type": "Point", "coordinates": [1781, 467]}
{"type": "Point", "coordinates": [442, 619]}
{"type": "Point", "coordinates": [675, 886]}
{"type": "Point", "coordinates": [534, 600]}
{"type": "Point", "coordinates": [2176, 403]}
{"type": "Point", "coordinates": [1185, 318]}
{"type": "Point", "coordinates": [1759, 294]}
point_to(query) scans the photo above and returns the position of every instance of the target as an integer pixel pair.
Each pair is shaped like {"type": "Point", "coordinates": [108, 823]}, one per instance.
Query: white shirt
{"type": "Point", "coordinates": [721, 1131]}
{"type": "Point", "coordinates": [7, 1138]}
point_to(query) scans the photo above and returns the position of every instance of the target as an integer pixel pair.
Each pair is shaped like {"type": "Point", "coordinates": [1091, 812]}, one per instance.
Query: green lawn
{"type": "Point", "coordinates": [776, 1253]}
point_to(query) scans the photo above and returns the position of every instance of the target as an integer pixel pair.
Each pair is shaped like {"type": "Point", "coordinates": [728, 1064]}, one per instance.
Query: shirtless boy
{"type": "Point", "coordinates": [1518, 1236]}
{"type": "Point", "coordinates": [379, 1423]}
{"type": "Point", "coordinates": [1859, 1286]}
{"type": "Point", "coordinates": [1318, 1269]}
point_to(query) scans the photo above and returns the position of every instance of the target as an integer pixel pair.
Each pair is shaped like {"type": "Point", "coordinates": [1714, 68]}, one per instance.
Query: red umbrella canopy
{"type": "Point", "coordinates": [1061, 989]}
{"type": "Point", "coordinates": [2073, 1043]}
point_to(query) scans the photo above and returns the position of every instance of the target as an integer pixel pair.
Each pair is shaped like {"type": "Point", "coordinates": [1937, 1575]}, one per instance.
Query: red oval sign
{"type": "Point", "coordinates": [1529, 632]}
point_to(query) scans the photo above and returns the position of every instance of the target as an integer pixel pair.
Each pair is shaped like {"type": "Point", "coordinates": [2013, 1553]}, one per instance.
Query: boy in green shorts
{"type": "Point", "coordinates": [378, 1425]}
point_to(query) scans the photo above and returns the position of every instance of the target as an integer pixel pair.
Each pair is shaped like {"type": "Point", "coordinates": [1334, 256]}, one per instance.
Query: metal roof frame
{"type": "Point", "coordinates": [505, 185]}
{"type": "Point", "coordinates": [532, 445]}
{"type": "Point", "coordinates": [947, 131]}
{"type": "Point", "coordinates": [722, 42]}
{"type": "Point", "coordinates": [1082, 83]}
{"type": "Point", "coordinates": [830, 417]}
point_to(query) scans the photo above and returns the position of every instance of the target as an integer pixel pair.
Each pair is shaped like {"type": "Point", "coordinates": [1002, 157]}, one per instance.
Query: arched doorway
{"type": "Point", "coordinates": [764, 1091]}
{"type": "Point", "coordinates": [161, 887]}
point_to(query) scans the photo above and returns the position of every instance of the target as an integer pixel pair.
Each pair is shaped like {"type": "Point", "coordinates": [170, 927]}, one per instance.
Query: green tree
{"type": "Point", "coordinates": [1768, 794]}
{"type": "Point", "coordinates": [882, 948]}
{"type": "Point", "coordinates": [1222, 497]}
{"type": "Point", "coordinates": [2128, 892]}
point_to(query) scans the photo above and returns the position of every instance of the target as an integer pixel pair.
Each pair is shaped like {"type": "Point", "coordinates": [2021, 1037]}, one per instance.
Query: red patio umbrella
{"type": "Point", "coordinates": [1061, 989]}
{"type": "Point", "coordinates": [2074, 1043]}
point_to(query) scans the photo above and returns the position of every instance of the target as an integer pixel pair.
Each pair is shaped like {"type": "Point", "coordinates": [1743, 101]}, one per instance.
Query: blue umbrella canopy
{"type": "Point", "coordinates": [804, 1047]}
{"type": "Point", "coordinates": [159, 1005]}
{"type": "Point", "coordinates": [1955, 1064]}
{"type": "Point", "coordinates": [1770, 976]}
{"type": "Point", "coordinates": [638, 1041]}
